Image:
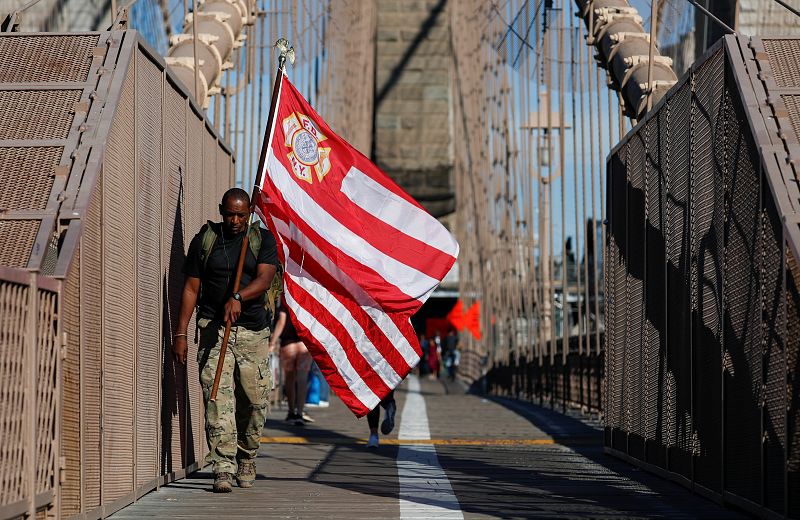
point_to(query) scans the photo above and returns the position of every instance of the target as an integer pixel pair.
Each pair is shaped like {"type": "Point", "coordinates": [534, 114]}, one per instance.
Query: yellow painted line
{"type": "Point", "coordinates": [394, 442]}
{"type": "Point", "coordinates": [284, 440]}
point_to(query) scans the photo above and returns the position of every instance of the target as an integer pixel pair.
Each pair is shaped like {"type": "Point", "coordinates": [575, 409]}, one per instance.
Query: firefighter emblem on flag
{"type": "Point", "coordinates": [306, 154]}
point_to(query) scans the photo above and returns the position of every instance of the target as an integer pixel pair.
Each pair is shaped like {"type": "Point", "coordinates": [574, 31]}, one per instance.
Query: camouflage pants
{"type": "Point", "coordinates": [234, 421]}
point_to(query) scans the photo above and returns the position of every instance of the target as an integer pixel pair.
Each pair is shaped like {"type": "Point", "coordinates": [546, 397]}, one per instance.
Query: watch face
{"type": "Point", "coordinates": [237, 296]}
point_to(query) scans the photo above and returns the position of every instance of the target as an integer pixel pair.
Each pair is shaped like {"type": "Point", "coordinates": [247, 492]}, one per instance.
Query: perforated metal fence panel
{"type": "Point", "coordinates": [114, 222]}
{"type": "Point", "coordinates": [615, 288]}
{"type": "Point", "coordinates": [654, 295]}
{"type": "Point", "coordinates": [708, 228]}
{"type": "Point", "coordinates": [39, 114]}
{"type": "Point", "coordinates": [91, 350]}
{"type": "Point", "coordinates": [71, 391]}
{"type": "Point", "coordinates": [779, 59]}
{"type": "Point", "coordinates": [198, 210]}
{"type": "Point", "coordinates": [14, 310]}
{"type": "Point", "coordinates": [47, 390]}
{"type": "Point", "coordinates": [149, 297]}
{"type": "Point", "coordinates": [793, 382]}
{"type": "Point", "coordinates": [120, 192]}
{"type": "Point", "coordinates": [46, 58]}
{"type": "Point", "coordinates": [173, 245]}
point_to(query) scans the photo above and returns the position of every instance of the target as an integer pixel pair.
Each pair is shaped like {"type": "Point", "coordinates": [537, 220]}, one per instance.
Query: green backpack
{"type": "Point", "coordinates": [209, 237]}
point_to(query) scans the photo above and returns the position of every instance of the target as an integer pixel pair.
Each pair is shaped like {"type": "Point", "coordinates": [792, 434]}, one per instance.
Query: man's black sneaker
{"type": "Point", "coordinates": [292, 417]}
{"type": "Point", "coordinates": [388, 422]}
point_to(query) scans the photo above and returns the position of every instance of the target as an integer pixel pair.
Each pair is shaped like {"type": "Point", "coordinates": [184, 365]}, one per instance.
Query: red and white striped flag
{"type": "Point", "coordinates": [361, 256]}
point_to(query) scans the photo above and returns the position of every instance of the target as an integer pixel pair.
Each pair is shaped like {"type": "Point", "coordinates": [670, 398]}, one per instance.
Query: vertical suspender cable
{"type": "Point", "coordinates": [549, 199]}
{"type": "Point", "coordinates": [235, 117]}
{"type": "Point", "coordinates": [529, 283]}
{"type": "Point", "coordinates": [262, 53]}
{"type": "Point", "coordinates": [254, 73]}
{"type": "Point", "coordinates": [195, 21]}
{"type": "Point", "coordinates": [585, 220]}
{"type": "Point", "coordinates": [601, 188]}
{"type": "Point", "coordinates": [653, 38]}
{"type": "Point", "coordinates": [592, 183]}
{"type": "Point", "coordinates": [574, 88]}
{"type": "Point", "coordinates": [246, 115]}
{"type": "Point", "coordinates": [546, 198]}
{"type": "Point", "coordinates": [563, 173]}
{"type": "Point", "coordinates": [227, 118]}
{"type": "Point", "coordinates": [541, 294]}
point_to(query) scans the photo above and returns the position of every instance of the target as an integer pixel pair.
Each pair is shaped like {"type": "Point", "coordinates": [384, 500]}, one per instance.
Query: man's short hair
{"type": "Point", "coordinates": [235, 194]}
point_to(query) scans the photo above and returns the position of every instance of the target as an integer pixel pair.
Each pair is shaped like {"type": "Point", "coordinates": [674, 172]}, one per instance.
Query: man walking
{"type": "Point", "coordinates": [234, 421]}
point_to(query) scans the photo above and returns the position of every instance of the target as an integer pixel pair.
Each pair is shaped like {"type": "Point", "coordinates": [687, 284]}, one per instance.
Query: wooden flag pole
{"type": "Point", "coordinates": [285, 52]}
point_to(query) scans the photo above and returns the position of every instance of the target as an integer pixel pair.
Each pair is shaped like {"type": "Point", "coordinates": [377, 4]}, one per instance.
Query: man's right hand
{"type": "Point", "coordinates": [179, 349]}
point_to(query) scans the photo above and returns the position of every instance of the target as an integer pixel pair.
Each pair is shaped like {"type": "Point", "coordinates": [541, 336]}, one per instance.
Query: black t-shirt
{"type": "Point", "coordinates": [216, 283]}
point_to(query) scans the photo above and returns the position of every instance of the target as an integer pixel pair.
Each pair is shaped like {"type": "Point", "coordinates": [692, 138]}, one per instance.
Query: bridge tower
{"type": "Point", "coordinates": [413, 100]}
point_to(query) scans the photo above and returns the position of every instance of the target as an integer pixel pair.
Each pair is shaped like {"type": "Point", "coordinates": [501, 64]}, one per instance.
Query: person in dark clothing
{"type": "Point", "coordinates": [235, 419]}
{"type": "Point", "coordinates": [423, 362]}
{"type": "Point", "coordinates": [295, 363]}
{"type": "Point", "coordinates": [374, 416]}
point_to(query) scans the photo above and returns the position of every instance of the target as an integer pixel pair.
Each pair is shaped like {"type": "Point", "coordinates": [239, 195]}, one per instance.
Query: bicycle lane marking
{"type": "Point", "coordinates": [425, 491]}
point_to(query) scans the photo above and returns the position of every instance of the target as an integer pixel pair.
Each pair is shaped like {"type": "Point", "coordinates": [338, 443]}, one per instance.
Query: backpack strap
{"type": "Point", "coordinates": [254, 238]}
{"type": "Point", "coordinates": [207, 242]}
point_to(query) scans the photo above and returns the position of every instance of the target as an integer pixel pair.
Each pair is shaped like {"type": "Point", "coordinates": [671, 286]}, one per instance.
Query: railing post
{"type": "Point", "coordinates": [29, 364]}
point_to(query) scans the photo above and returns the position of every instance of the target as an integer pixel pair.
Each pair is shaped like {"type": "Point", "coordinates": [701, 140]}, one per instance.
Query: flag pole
{"type": "Point", "coordinates": [286, 52]}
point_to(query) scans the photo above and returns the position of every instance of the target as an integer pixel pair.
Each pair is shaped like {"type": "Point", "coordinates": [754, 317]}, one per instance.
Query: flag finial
{"type": "Point", "coordinates": [286, 50]}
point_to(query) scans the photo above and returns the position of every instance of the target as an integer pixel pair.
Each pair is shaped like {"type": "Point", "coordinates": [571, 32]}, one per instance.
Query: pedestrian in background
{"type": "Point", "coordinates": [295, 363]}
{"type": "Point", "coordinates": [453, 360]}
{"type": "Point", "coordinates": [451, 355]}
{"type": "Point", "coordinates": [423, 361]}
{"type": "Point", "coordinates": [434, 353]}
{"type": "Point", "coordinates": [374, 416]}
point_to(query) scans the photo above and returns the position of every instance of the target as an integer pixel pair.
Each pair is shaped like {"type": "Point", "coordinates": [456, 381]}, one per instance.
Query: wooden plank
{"type": "Point", "coordinates": [324, 470]}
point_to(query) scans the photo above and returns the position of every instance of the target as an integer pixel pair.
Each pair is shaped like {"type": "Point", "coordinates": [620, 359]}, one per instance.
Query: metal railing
{"type": "Point", "coordinates": [93, 411]}
{"type": "Point", "coordinates": [702, 283]}
{"type": "Point", "coordinates": [574, 381]}
{"type": "Point", "coordinates": [30, 356]}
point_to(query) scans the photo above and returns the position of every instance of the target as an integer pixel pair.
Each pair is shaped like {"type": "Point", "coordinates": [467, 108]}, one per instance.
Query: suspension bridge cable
{"type": "Point", "coordinates": [572, 39]}
{"type": "Point", "coordinates": [601, 189]}
{"type": "Point", "coordinates": [581, 68]}
{"type": "Point", "coordinates": [565, 334]}
{"type": "Point", "coordinates": [590, 96]}
{"type": "Point", "coordinates": [711, 16]}
{"type": "Point", "coordinates": [787, 6]}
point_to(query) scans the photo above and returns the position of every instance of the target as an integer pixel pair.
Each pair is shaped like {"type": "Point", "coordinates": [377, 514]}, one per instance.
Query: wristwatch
{"type": "Point", "coordinates": [236, 296]}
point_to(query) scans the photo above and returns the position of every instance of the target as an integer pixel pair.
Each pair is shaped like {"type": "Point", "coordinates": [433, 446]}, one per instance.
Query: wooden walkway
{"type": "Point", "coordinates": [482, 458]}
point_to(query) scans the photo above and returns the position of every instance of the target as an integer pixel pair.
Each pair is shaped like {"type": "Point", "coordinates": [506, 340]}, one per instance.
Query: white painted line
{"type": "Point", "coordinates": [425, 491]}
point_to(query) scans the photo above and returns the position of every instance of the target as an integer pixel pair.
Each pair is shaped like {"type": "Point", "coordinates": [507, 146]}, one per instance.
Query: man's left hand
{"type": "Point", "coordinates": [232, 310]}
